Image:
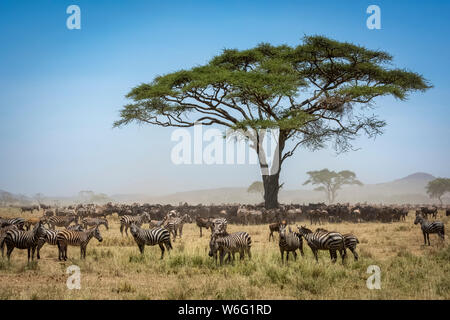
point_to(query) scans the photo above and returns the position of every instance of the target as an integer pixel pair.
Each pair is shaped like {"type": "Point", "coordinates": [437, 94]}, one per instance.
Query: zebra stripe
{"type": "Point", "coordinates": [289, 242]}
{"type": "Point", "coordinates": [156, 236]}
{"type": "Point", "coordinates": [350, 242]}
{"type": "Point", "coordinates": [23, 240]}
{"type": "Point", "coordinates": [231, 243]}
{"type": "Point", "coordinates": [430, 227]}
{"type": "Point", "coordinates": [324, 240]}
{"type": "Point", "coordinates": [219, 226]}
{"type": "Point", "coordinates": [61, 221]}
{"type": "Point", "coordinates": [94, 222]}
{"type": "Point", "coordinates": [18, 222]}
{"type": "Point", "coordinates": [65, 238]}
{"type": "Point", "coordinates": [3, 232]}
{"type": "Point", "coordinates": [126, 221]}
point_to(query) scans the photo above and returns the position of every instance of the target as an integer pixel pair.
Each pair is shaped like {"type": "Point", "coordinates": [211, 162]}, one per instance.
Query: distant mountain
{"type": "Point", "coordinates": [410, 189]}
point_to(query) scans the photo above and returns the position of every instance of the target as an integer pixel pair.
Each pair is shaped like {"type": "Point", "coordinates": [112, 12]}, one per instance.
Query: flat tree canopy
{"type": "Point", "coordinates": [437, 188]}
{"type": "Point", "coordinates": [319, 91]}
{"type": "Point", "coordinates": [331, 181]}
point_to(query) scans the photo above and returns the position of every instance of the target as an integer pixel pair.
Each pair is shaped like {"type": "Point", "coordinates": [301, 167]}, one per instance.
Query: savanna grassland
{"type": "Point", "coordinates": [114, 268]}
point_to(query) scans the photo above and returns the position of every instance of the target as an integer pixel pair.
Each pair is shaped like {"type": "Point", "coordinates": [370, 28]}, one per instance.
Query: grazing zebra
{"type": "Point", "coordinates": [64, 238]}
{"type": "Point", "coordinates": [23, 240]}
{"type": "Point", "coordinates": [3, 232]}
{"type": "Point", "coordinates": [430, 227]}
{"type": "Point", "coordinates": [221, 244]}
{"type": "Point", "coordinates": [275, 227]}
{"type": "Point", "coordinates": [151, 237]}
{"type": "Point", "coordinates": [324, 240]}
{"type": "Point", "coordinates": [289, 242]}
{"type": "Point", "coordinates": [219, 226]}
{"type": "Point", "coordinates": [18, 222]}
{"type": "Point", "coordinates": [126, 221]}
{"type": "Point", "coordinates": [90, 222]}
{"type": "Point", "coordinates": [350, 242]}
{"type": "Point", "coordinates": [61, 221]}
{"type": "Point", "coordinates": [202, 223]}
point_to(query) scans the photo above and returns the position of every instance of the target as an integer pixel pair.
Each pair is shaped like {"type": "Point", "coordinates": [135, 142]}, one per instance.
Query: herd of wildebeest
{"type": "Point", "coordinates": [76, 225]}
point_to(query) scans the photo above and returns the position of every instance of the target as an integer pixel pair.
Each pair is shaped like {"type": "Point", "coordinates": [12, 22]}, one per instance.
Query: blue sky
{"type": "Point", "coordinates": [61, 90]}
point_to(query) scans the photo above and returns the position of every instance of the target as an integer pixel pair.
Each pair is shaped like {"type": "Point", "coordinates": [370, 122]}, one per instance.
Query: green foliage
{"type": "Point", "coordinates": [314, 93]}
{"type": "Point", "coordinates": [438, 187]}
{"type": "Point", "coordinates": [330, 181]}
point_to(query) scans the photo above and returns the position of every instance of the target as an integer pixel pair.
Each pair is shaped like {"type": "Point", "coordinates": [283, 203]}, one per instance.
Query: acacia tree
{"type": "Point", "coordinates": [331, 181]}
{"type": "Point", "coordinates": [437, 188]}
{"type": "Point", "coordinates": [256, 187]}
{"type": "Point", "coordinates": [317, 92]}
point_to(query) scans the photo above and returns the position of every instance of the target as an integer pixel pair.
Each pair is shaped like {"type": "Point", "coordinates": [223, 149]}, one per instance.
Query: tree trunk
{"type": "Point", "coordinates": [271, 187]}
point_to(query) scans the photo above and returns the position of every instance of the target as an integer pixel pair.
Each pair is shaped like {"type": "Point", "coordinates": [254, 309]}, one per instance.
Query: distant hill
{"type": "Point", "coordinates": [410, 189]}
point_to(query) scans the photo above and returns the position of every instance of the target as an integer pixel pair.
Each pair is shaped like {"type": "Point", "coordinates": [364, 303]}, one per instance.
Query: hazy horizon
{"type": "Point", "coordinates": [61, 91]}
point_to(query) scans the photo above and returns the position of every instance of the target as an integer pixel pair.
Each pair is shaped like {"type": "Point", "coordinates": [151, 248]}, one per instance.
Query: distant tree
{"type": "Point", "coordinates": [331, 181]}
{"type": "Point", "coordinates": [437, 188]}
{"type": "Point", "coordinates": [39, 197]}
{"type": "Point", "coordinates": [317, 92]}
{"type": "Point", "coordinates": [256, 187]}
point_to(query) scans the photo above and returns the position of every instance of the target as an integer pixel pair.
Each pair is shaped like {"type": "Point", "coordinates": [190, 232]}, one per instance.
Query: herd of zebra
{"type": "Point", "coordinates": [78, 230]}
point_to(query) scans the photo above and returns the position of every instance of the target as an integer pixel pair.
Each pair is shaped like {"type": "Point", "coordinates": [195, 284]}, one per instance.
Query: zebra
{"type": "Point", "coordinates": [324, 240]}
{"type": "Point", "coordinates": [76, 227]}
{"type": "Point", "coordinates": [127, 220]}
{"type": "Point", "coordinates": [275, 227]}
{"type": "Point", "coordinates": [3, 232]}
{"type": "Point", "coordinates": [89, 222]}
{"type": "Point", "coordinates": [221, 244]}
{"type": "Point", "coordinates": [289, 242]}
{"type": "Point", "coordinates": [350, 242]}
{"type": "Point", "coordinates": [61, 221]}
{"type": "Point", "coordinates": [429, 227]}
{"type": "Point", "coordinates": [202, 223]}
{"type": "Point", "coordinates": [23, 240]}
{"type": "Point", "coordinates": [48, 237]}
{"type": "Point", "coordinates": [175, 225]}
{"type": "Point", "coordinates": [151, 237]}
{"type": "Point", "coordinates": [64, 238]}
{"type": "Point", "coordinates": [219, 226]}
{"type": "Point", "coordinates": [18, 222]}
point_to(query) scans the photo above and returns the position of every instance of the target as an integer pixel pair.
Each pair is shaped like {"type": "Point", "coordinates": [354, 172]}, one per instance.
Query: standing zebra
{"type": "Point", "coordinates": [3, 231]}
{"type": "Point", "coordinates": [126, 221]}
{"type": "Point", "coordinates": [324, 240]}
{"type": "Point", "coordinates": [219, 226]}
{"type": "Point", "coordinates": [230, 243]}
{"type": "Point", "coordinates": [151, 237]}
{"type": "Point", "coordinates": [90, 222]}
{"type": "Point", "coordinates": [175, 225]}
{"type": "Point", "coordinates": [23, 240]}
{"type": "Point", "coordinates": [290, 242]}
{"type": "Point", "coordinates": [18, 222]}
{"type": "Point", "coordinates": [429, 227]}
{"type": "Point", "coordinates": [350, 242]}
{"type": "Point", "coordinates": [49, 237]}
{"type": "Point", "coordinates": [64, 238]}
{"type": "Point", "coordinates": [61, 221]}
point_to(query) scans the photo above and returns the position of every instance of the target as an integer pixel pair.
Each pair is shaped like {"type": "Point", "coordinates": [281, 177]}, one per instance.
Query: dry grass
{"type": "Point", "coordinates": [114, 269]}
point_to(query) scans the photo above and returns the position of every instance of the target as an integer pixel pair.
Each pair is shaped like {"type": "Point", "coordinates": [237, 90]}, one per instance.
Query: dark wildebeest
{"type": "Point", "coordinates": [202, 223]}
